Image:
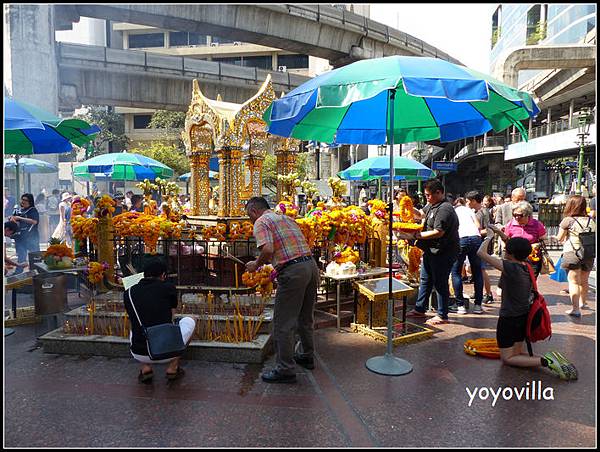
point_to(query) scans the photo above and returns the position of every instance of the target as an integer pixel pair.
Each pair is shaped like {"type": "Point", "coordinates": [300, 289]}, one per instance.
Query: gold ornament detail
{"type": "Point", "coordinates": [225, 127]}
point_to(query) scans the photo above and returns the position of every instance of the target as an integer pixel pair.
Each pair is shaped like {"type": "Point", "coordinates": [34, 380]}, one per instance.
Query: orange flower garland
{"type": "Point", "coordinates": [243, 231]}
{"type": "Point", "coordinates": [414, 259]}
{"type": "Point", "coordinates": [149, 227]}
{"type": "Point", "coordinates": [347, 255]}
{"type": "Point", "coordinates": [96, 272]}
{"type": "Point", "coordinates": [105, 206]}
{"type": "Point", "coordinates": [61, 250]}
{"type": "Point", "coordinates": [84, 227]}
{"type": "Point", "coordinates": [79, 206]}
{"type": "Point", "coordinates": [215, 232]}
{"type": "Point", "coordinates": [261, 278]}
{"type": "Point", "coordinates": [406, 214]}
{"type": "Point", "coordinates": [535, 254]}
{"type": "Point", "coordinates": [58, 256]}
{"type": "Point", "coordinates": [406, 209]}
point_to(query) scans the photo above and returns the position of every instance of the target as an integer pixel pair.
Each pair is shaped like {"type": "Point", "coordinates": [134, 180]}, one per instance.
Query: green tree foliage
{"type": "Point", "coordinates": [167, 153]}
{"type": "Point", "coordinates": [112, 127]}
{"type": "Point", "coordinates": [172, 121]}
{"type": "Point", "coordinates": [270, 170]}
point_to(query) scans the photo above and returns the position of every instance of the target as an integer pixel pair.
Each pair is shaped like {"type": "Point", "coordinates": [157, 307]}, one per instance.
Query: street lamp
{"type": "Point", "coordinates": [583, 131]}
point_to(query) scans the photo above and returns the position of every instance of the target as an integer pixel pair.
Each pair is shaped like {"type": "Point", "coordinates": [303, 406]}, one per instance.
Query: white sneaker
{"type": "Point", "coordinates": [461, 310]}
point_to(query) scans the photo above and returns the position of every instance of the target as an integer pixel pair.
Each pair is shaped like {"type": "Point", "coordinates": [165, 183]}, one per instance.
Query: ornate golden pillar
{"type": "Point", "coordinates": [230, 182]}
{"type": "Point", "coordinates": [199, 155]}
{"type": "Point", "coordinates": [254, 163]}
{"type": "Point", "coordinates": [106, 248]}
{"type": "Point", "coordinates": [259, 146]}
{"type": "Point", "coordinates": [286, 163]}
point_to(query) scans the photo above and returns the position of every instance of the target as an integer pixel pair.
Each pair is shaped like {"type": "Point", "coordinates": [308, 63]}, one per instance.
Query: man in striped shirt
{"type": "Point", "coordinates": [282, 243]}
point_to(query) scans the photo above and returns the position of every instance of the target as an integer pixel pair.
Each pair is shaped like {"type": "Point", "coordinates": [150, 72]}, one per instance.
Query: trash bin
{"type": "Point", "coordinates": [50, 293]}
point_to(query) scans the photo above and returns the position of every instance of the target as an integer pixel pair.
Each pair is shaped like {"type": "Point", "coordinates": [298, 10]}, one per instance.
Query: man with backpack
{"type": "Point", "coordinates": [52, 209]}
{"type": "Point", "coordinates": [523, 313]}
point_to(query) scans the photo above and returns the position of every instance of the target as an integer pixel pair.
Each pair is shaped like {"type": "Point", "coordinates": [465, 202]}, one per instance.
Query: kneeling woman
{"type": "Point", "coordinates": [517, 287]}
{"type": "Point", "coordinates": [155, 301]}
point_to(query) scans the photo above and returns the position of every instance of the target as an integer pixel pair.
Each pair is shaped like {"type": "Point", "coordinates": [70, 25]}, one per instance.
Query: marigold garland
{"type": "Point", "coordinates": [95, 271]}
{"type": "Point", "coordinates": [79, 206]}
{"type": "Point", "coordinates": [240, 231]}
{"type": "Point", "coordinates": [60, 250]}
{"type": "Point", "coordinates": [287, 208]}
{"type": "Point", "coordinates": [105, 206]}
{"type": "Point", "coordinates": [215, 232]}
{"type": "Point", "coordinates": [149, 227]}
{"type": "Point", "coordinates": [262, 278]}
{"type": "Point", "coordinates": [347, 255]}
{"type": "Point", "coordinates": [414, 259]}
{"type": "Point", "coordinates": [84, 228]}
{"type": "Point", "coordinates": [535, 254]}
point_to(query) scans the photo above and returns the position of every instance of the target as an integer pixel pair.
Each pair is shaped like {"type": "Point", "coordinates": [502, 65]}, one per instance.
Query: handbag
{"type": "Point", "coordinates": [547, 263]}
{"type": "Point", "coordinates": [560, 275]}
{"type": "Point", "coordinates": [164, 341]}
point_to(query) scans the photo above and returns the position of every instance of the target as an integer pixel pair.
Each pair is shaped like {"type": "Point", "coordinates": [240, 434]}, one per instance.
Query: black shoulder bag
{"type": "Point", "coordinates": [164, 341]}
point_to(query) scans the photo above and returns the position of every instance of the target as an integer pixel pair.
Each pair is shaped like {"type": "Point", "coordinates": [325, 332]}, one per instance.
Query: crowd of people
{"type": "Point", "coordinates": [488, 232]}
{"type": "Point", "coordinates": [462, 228]}
{"type": "Point", "coordinates": [33, 221]}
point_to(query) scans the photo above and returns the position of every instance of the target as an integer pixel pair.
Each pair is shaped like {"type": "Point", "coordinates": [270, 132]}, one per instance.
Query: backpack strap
{"type": "Point", "coordinates": [532, 275]}
{"type": "Point", "coordinates": [582, 230]}
{"type": "Point", "coordinates": [533, 281]}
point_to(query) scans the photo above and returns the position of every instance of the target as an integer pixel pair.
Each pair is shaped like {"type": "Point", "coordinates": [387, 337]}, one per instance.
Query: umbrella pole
{"type": "Point", "coordinates": [389, 364]}
{"type": "Point", "coordinates": [17, 179]}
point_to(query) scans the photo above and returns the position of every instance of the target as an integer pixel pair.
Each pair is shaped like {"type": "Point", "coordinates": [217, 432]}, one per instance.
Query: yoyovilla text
{"type": "Point", "coordinates": [531, 391]}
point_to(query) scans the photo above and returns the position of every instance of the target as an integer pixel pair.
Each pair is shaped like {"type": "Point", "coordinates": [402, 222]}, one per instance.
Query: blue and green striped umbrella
{"type": "Point", "coordinates": [431, 99]}
{"type": "Point", "coordinates": [379, 168]}
{"type": "Point", "coordinates": [29, 166]}
{"type": "Point", "coordinates": [122, 166]}
{"type": "Point", "coordinates": [31, 130]}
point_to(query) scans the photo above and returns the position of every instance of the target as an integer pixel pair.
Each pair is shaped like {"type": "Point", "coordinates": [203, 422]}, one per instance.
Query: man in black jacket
{"type": "Point", "coordinates": [440, 243]}
{"type": "Point", "coordinates": [155, 302]}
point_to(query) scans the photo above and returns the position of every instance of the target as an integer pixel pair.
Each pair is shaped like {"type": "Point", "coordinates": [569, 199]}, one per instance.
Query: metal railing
{"type": "Point", "coordinates": [536, 132]}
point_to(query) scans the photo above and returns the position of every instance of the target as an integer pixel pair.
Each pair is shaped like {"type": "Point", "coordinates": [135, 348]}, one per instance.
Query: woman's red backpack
{"type": "Point", "coordinates": [539, 325]}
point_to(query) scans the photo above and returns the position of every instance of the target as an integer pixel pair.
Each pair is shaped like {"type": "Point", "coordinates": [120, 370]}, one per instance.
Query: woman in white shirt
{"type": "Point", "coordinates": [470, 240]}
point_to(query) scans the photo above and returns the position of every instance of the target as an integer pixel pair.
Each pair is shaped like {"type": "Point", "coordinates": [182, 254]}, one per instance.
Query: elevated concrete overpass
{"type": "Point", "coordinates": [339, 36]}
{"type": "Point", "coordinates": [133, 78]}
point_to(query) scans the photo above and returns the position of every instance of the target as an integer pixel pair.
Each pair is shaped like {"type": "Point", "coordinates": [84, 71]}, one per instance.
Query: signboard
{"type": "Point", "coordinates": [444, 166]}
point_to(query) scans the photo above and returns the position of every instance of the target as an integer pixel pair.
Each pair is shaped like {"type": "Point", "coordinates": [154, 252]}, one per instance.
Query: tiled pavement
{"type": "Point", "coordinates": [83, 401]}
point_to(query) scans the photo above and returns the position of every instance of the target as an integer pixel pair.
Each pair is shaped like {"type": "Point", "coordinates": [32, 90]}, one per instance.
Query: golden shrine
{"type": "Point", "coordinates": [227, 129]}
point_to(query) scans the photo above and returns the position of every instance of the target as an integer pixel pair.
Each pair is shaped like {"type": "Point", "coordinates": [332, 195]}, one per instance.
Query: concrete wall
{"type": "Point", "coordinates": [31, 73]}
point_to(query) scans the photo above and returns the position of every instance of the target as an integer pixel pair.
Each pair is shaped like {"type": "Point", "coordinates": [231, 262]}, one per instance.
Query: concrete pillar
{"type": "Point", "coordinates": [549, 119]}
{"type": "Point", "coordinates": [274, 62]}
{"type": "Point", "coordinates": [167, 39]}
{"type": "Point", "coordinates": [571, 111]}
{"type": "Point", "coordinates": [29, 37]}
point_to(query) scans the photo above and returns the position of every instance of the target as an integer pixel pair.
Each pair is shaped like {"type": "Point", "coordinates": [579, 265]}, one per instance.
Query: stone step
{"type": "Point", "coordinates": [244, 352]}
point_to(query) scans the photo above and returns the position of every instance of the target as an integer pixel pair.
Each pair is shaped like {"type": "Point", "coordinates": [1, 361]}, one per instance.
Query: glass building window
{"type": "Point", "coordinates": [293, 61]}
{"type": "Point", "coordinates": [146, 40]}
{"type": "Point", "coordinates": [261, 62]}
{"type": "Point", "coordinates": [235, 60]}
{"type": "Point", "coordinates": [141, 121]}
{"type": "Point", "coordinates": [183, 38]}
{"type": "Point", "coordinates": [221, 40]}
